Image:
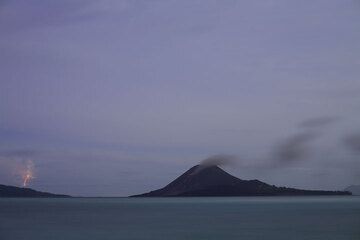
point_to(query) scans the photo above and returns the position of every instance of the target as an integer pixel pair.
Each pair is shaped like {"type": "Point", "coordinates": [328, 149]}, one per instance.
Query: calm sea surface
{"type": "Point", "coordinates": [320, 218]}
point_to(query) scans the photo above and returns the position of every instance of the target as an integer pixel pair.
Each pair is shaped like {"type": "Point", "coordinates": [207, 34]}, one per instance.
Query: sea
{"type": "Point", "coordinates": [240, 218]}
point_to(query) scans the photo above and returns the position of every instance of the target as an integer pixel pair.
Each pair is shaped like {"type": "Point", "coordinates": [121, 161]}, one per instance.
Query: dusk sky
{"type": "Point", "coordinates": [112, 98]}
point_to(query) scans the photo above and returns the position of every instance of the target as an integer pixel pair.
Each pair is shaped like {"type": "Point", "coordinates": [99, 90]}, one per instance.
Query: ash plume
{"type": "Point", "coordinates": [299, 145]}
{"type": "Point", "coordinates": [218, 160]}
{"type": "Point", "coordinates": [295, 147]}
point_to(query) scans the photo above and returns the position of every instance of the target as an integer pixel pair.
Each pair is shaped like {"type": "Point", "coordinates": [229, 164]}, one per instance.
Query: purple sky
{"type": "Point", "coordinates": [114, 98]}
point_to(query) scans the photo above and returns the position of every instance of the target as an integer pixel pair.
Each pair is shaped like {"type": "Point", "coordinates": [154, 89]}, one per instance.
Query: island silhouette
{"type": "Point", "coordinates": [198, 181]}
{"type": "Point", "coordinates": [12, 191]}
{"type": "Point", "coordinates": [204, 180]}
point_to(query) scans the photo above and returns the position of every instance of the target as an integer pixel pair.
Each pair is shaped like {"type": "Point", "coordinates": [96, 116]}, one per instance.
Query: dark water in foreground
{"type": "Point", "coordinates": [181, 218]}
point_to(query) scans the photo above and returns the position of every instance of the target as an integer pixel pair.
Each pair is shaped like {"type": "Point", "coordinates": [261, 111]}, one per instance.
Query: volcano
{"type": "Point", "coordinates": [204, 181]}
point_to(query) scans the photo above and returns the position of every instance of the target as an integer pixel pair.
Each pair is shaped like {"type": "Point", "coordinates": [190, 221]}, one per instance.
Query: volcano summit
{"type": "Point", "coordinates": [204, 181]}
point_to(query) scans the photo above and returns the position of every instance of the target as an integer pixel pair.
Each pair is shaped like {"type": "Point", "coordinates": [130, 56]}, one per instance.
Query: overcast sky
{"type": "Point", "coordinates": [111, 98]}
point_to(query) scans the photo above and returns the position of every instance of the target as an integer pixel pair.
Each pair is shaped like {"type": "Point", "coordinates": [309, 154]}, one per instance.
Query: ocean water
{"type": "Point", "coordinates": [248, 218]}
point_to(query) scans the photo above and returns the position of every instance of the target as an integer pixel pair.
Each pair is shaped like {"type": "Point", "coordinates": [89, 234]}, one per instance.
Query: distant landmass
{"type": "Point", "coordinates": [213, 181]}
{"type": "Point", "coordinates": [354, 189]}
{"type": "Point", "coordinates": [11, 191]}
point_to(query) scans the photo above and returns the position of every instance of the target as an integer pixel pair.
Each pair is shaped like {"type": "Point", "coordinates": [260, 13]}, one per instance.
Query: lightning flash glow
{"type": "Point", "coordinates": [28, 173]}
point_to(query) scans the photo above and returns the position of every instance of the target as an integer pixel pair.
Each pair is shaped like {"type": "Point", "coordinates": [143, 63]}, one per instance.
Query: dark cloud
{"type": "Point", "coordinates": [37, 14]}
{"type": "Point", "coordinates": [318, 122]}
{"type": "Point", "coordinates": [21, 153]}
{"type": "Point", "coordinates": [353, 142]}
